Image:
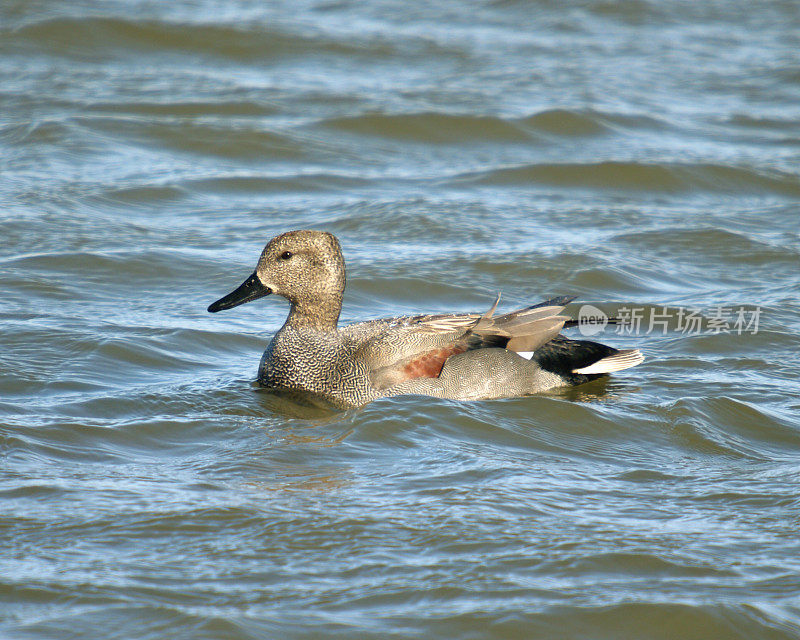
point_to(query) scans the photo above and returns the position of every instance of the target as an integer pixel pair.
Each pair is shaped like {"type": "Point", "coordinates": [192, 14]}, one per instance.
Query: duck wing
{"type": "Point", "coordinates": [418, 346]}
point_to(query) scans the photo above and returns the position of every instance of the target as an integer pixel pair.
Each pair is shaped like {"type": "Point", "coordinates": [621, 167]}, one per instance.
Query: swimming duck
{"type": "Point", "coordinates": [457, 356]}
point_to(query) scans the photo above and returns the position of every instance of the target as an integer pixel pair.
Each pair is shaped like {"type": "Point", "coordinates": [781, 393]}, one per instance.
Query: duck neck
{"type": "Point", "coordinates": [320, 313]}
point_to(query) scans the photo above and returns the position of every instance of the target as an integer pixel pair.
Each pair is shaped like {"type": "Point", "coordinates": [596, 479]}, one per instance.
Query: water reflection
{"type": "Point", "coordinates": [600, 390]}
{"type": "Point", "coordinates": [310, 479]}
{"type": "Point", "coordinates": [303, 405]}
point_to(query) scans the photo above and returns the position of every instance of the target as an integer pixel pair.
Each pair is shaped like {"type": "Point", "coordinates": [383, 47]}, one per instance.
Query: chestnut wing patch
{"type": "Point", "coordinates": [429, 364]}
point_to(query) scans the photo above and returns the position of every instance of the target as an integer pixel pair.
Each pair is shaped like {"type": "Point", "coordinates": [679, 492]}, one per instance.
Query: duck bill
{"type": "Point", "coordinates": [251, 289]}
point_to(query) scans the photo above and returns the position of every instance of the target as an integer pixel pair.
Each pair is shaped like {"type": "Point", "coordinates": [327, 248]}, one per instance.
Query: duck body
{"type": "Point", "coordinates": [456, 356]}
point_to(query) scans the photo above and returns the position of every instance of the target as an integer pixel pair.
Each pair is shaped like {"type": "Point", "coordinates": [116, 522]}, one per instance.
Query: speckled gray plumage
{"type": "Point", "coordinates": [476, 353]}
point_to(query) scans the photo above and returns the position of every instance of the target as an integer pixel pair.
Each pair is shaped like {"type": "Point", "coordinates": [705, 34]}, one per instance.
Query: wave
{"type": "Point", "coordinates": [436, 127]}
{"type": "Point", "coordinates": [641, 176]}
{"type": "Point", "coordinates": [432, 127]}
{"type": "Point", "coordinates": [112, 37]}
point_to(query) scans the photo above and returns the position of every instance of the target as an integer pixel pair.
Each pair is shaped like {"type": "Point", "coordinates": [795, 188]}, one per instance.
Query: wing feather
{"type": "Point", "coordinates": [418, 346]}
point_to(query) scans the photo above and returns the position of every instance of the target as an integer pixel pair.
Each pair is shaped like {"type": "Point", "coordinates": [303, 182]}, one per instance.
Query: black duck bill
{"type": "Point", "coordinates": [251, 289]}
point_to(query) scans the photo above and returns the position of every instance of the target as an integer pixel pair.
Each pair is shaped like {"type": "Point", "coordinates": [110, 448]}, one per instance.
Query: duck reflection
{"type": "Point", "coordinates": [302, 405]}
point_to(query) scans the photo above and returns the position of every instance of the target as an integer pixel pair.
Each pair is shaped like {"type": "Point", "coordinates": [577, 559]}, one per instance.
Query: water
{"type": "Point", "coordinates": [633, 153]}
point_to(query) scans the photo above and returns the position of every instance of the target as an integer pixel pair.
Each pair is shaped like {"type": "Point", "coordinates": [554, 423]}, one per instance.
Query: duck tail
{"type": "Point", "coordinates": [622, 359]}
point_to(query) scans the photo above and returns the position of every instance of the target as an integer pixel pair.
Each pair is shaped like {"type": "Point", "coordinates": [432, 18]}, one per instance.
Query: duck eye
{"type": "Point", "coordinates": [286, 255]}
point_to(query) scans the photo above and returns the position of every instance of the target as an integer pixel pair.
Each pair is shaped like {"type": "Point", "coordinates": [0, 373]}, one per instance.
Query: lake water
{"type": "Point", "coordinates": [638, 154]}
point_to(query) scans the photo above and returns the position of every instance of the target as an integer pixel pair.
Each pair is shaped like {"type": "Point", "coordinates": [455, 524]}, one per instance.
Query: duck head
{"type": "Point", "coordinates": [305, 267]}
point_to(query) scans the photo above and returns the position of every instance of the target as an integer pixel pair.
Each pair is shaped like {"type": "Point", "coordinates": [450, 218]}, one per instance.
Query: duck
{"type": "Point", "coordinates": [457, 356]}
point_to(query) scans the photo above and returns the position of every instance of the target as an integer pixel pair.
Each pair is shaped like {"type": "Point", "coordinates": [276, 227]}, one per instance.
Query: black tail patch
{"type": "Point", "coordinates": [562, 356]}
